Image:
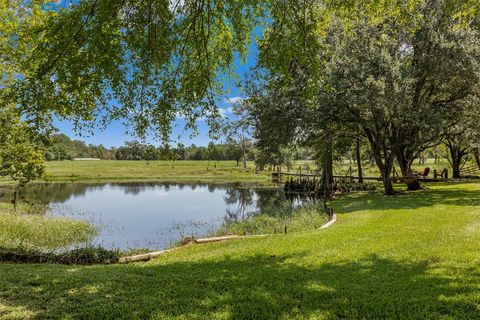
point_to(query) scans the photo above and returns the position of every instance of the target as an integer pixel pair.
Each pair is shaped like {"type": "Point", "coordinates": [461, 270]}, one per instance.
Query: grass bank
{"type": "Point", "coordinates": [412, 256]}
{"type": "Point", "coordinates": [28, 235]}
{"type": "Point", "coordinates": [28, 230]}
{"type": "Point", "coordinates": [279, 219]}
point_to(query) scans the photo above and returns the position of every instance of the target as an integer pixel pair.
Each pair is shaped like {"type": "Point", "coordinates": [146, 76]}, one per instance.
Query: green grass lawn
{"type": "Point", "coordinates": [411, 256]}
{"type": "Point", "coordinates": [219, 171]}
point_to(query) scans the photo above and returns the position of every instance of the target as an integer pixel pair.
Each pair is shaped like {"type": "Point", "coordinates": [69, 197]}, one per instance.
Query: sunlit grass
{"type": "Point", "coordinates": [411, 256]}
{"type": "Point", "coordinates": [28, 231]}
{"type": "Point", "coordinates": [215, 171]}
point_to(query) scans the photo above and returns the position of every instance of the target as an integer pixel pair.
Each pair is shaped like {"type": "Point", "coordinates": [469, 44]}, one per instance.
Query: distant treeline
{"type": "Point", "coordinates": [63, 148]}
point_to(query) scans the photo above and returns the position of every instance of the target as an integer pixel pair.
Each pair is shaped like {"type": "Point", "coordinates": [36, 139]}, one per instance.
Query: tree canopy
{"type": "Point", "coordinates": [392, 70]}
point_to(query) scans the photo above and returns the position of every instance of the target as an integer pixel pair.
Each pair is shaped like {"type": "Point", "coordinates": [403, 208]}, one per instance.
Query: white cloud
{"type": "Point", "coordinates": [224, 112]}
{"type": "Point", "coordinates": [234, 100]}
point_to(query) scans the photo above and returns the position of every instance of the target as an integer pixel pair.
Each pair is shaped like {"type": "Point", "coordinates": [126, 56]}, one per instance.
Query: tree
{"type": "Point", "coordinates": [21, 152]}
{"type": "Point", "coordinates": [239, 130]}
{"type": "Point", "coordinates": [234, 151]}
{"type": "Point", "coordinates": [476, 155]}
{"type": "Point", "coordinates": [161, 59]}
{"type": "Point", "coordinates": [21, 136]}
{"type": "Point", "coordinates": [382, 78]}
{"type": "Point", "coordinates": [156, 59]}
{"type": "Point", "coordinates": [180, 151]}
{"type": "Point", "coordinates": [358, 158]}
{"type": "Point", "coordinates": [462, 138]}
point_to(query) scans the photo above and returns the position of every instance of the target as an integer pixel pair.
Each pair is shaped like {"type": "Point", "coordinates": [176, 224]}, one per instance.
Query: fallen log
{"type": "Point", "coordinates": [330, 223]}
{"type": "Point", "coordinates": [143, 257]}
{"type": "Point", "coordinates": [216, 239]}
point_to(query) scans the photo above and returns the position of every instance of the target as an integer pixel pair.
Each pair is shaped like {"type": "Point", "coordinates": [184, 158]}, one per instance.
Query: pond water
{"type": "Point", "coordinates": [153, 215]}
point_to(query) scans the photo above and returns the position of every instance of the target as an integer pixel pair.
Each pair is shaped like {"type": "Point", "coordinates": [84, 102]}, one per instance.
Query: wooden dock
{"type": "Point", "coordinates": [277, 176]}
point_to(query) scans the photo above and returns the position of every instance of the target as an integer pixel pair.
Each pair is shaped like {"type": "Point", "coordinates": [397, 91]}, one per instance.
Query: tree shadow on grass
{"type": "Point", "coordinates": [409, 200]}
{"type": "Point", "coordinates": [256, 287]}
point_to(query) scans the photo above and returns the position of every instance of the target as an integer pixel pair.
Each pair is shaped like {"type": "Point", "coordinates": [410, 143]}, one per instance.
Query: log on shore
{"type": "Point", "coordinates": [143, 257]}
{"type": "Point", "coordinates": [329, 223]}
{"type": "Point", "coordinates": [216, 239]}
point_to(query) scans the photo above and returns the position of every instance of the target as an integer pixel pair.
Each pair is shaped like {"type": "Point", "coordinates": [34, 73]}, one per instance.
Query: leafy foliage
{"type": "Point", "coordinates": [396, 72]}
{"type": "Point", "coordinates": [21, 154]}
{"type": "Point", "coordinates": [80, 256]}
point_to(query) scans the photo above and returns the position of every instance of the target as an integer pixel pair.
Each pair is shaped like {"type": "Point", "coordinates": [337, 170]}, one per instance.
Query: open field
{"type": "Point", "coordinates": [129, 171]}
{"type": "Point", "coordinates": [194, 170]}
{"type": "Point", "coordinates": [411, 256]}
{"type": "Point", "coordinates": [206, 171]}
{"type": "Point", "coordinates": [152, 170]}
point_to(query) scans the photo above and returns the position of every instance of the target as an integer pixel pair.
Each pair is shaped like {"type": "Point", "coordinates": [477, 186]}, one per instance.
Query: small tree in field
{"type": "Point", "coordinates": [239, 130]}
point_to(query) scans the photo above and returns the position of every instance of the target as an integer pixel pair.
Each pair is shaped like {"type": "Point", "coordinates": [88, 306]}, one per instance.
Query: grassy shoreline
{"type": "Point", "coordinates": [28, 230]}
{"type": "Point", "coordinates": [411, 256]}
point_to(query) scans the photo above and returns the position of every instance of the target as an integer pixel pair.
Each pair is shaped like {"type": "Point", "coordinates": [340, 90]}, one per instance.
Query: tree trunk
{"type": "Point", "coordinates": [359, 162]}
{"type": "Point", "coordinates": [387, 183]}
{"type": "Point", "coordinates": [457, 155]}
{"type": "Point", "coordinates": [244, 152]}
{"type": "Point", "coordinates": [385, 171]}
{"type": "Point", "coordinates": [456, 167]}
{"type": "Point", "coordinates": [476, 155]}
{"type": "Point", "coordinates": [404, 163]}
{"type": "Point", "coordinates": [15, 198]}
{"type": "Point", "coordinates": [326, 181]}
{"type": "Point", "coordinates": [384, 161]}
{"type": "Point", "coordinates": [404, 167]}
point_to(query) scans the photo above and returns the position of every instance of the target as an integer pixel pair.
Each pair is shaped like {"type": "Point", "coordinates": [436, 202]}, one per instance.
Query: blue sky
{"type": "Point", "coordinates": [115, 134]}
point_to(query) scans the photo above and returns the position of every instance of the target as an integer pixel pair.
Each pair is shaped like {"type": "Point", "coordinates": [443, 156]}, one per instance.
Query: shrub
{"type": "Point", "coordinates": [81, 256]}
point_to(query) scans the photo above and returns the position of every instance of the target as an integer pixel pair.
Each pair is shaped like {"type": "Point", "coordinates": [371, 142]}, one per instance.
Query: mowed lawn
{"type": "Point", "coordinates": [217, 171]}
{"type": "Point", "coordinates": [412, 256]}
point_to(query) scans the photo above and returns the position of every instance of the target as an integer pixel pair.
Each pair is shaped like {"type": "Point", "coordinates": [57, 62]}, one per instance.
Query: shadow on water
{"type": "Point", "coordinates": [256, 287]}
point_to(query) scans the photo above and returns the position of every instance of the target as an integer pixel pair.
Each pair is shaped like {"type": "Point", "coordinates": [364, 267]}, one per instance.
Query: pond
{"type": "Point", "coordinates": [153, 215]}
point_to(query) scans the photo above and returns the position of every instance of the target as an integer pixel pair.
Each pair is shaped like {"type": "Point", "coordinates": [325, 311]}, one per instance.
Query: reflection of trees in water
{"type": "Point", "coordinates": [242, 198]}
{"type": "Point", "coordinates": [241, 202]}
{"type": "Point", "coordinates": [260, 201]}
{"type": "Point", "coordinates": [271, 202]}
{"type": "Point", "coordinates": [46, 193]}
{"type": "Point", "coordinates": [53, 192]}
{"type": "Point", "coordinates": [133, 189]}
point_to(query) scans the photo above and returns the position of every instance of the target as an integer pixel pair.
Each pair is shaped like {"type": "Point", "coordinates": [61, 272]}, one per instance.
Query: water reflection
{"type": "Point", "coordinates": [154, 215]}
